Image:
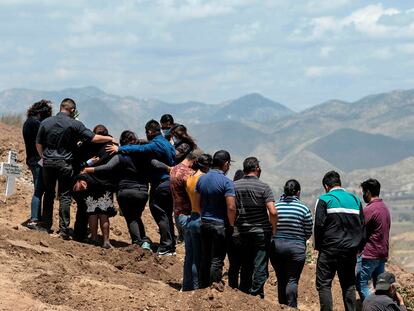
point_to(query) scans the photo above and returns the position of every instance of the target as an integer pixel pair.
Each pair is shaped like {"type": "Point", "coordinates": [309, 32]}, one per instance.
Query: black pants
{"type": "Point", "coordinates": [80, 229]}
{"type": "Point", "coordinates": [328, 264]}
{"type": "Point", "coordinates": [288, 258]}
{"type": "Point", "coordinates": [235, 254]}
{"type": "Point", "coordinates": [213, 250]}
{"type": "Point", "coordinates": [132, 204]}
{"type": "Point", "coordinates": [161, 207]}
{"type": "Point", "coordinates": [62, 173]}
{"type": "Point", "coordinates": [254, 262]}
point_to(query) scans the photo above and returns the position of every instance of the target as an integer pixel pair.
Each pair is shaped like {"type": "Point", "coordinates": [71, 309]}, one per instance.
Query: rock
{"type": "Point", "coordinates": [44, 243]}
{"type": "Point", "coordinates": [15, 227]}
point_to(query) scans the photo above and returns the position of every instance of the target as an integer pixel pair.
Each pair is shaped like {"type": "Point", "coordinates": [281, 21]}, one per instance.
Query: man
{"type": "Point", "coordinates": [35, 115]}
{"type": "Point", "coordinates": [160, 200]}
{"type": "Point", "coordinates": [371, 261]}
{"type": "Point", "coordinates": [182, 213]}
{"type": "Point", "coordinates": [56, 142]}
{"type": "Point", "coordinates": [339, 235]}
{"type": "Point", "coordinates": [256, 222]}
{"type": "Point", "coordinates": [216, 199]}
{"type": "Point", "coordinates": [167, 122]}
{"type": "Point", "coordinates": [386, 297]}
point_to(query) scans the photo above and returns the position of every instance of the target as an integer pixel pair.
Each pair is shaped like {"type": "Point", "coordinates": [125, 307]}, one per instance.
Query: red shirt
{"type": "Point", "coordinates": [178, 179]}
{"type": "Point", "coordinates": [378, 224]}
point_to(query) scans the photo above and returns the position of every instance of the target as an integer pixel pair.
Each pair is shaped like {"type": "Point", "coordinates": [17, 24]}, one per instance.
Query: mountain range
{"type": "Point", "coordinates": [375, 131]}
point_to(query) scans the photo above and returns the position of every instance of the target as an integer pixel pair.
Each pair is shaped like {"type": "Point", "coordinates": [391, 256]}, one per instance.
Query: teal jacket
{"type": "Point", "coordinates": [339, 222]}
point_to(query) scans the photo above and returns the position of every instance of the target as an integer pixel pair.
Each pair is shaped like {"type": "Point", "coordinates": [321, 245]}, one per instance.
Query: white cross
{"type": "Point", "coordinates": [12, 170]}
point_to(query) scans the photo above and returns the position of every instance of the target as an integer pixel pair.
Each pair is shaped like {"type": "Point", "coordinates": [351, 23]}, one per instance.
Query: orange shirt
{"type": "Point", "coordinates": [190, 188]}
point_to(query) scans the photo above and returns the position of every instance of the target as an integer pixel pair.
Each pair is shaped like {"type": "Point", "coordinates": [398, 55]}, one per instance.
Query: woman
{"type": "Point", "coordinates": [288, 249]}
{"type": "Point", "coordinates": [183, 143]}
{"type": "Point", "coordinates": [99, 205]}
{"type": "Point", "coordinates": [35, 115]}
{"type": "Point", "coordinates": [193, 245]}
{"type": "Point", "coordinates": [132, 194]}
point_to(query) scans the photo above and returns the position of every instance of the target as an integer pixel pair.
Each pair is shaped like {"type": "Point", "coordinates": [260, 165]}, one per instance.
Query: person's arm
{"type": "Point", "coordinates": [160, 165]}
{"type": "Point", "coordinates": [197, 201]}
{"type": "Point", "coordinates": [319, 229]}
{"type": "Point", "coordinates": [147, 148]}
{"type": "Point", "coordinates": [105, 168]}
{"type": "Point", "coordinates": [40, 140]}
{"type": "Point", "coordinates": [39, 149]}
{"type": "Point", "coordinates": [231, 209]}
{"type": "Point", "coordinates": [308, 224]}
{"type": "Point", "coordinates": [272, 215]}
{"type": "Point", "coordinates": [363, 228]}
{"type": "Point", "coordinates": [102, 139]}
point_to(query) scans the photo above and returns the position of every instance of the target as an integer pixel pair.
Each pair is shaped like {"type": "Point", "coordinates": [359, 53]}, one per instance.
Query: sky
{"type": "Point", "coordinates": [299, 53]}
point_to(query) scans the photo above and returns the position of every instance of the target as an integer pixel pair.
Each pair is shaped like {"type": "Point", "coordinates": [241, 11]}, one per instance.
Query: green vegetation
{"type": "Point", "coordinates": [14, 119]}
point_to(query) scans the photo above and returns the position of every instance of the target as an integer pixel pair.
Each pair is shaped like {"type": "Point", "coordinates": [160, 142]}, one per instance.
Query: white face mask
{"type": "Point", "coordinates": [164, 132]}
{"type": "Point", "coordinates": [176, 140]}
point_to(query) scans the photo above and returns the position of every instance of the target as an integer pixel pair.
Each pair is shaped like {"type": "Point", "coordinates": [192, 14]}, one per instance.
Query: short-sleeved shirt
{"type": "Point", "coordinates": [378, 224]}
{"type": "Point", "coordinates": [213, 188]}
{"type": "Point", "coordinates": [252, 195]}
{"type": "Point", "coordinates": [178, 178]}
{"type": "Point", "coordinates": [59, 136]}
{"type": "Point", "coordinates": [190, 188]}
{"type": "Point", "coordinates": [30, 129]}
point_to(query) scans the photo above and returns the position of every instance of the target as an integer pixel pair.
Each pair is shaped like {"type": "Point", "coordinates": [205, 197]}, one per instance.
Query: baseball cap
{"type": "Point", "coordinates": [384, 281]}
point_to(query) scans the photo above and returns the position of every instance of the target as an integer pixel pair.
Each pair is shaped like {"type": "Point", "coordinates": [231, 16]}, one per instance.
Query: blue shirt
{"type": "Point", "coordinates": [158, 148]}
{"type": "Point", "coordinates": [214, 187]}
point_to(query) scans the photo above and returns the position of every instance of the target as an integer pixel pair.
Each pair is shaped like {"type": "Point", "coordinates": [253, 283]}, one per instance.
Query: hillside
{"type": "Point", "coordinates": [42, 272]}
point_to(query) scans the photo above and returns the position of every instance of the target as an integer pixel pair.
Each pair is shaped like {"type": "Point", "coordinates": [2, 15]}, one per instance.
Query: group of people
{"type": "Point", "coordinates": [214, 215]}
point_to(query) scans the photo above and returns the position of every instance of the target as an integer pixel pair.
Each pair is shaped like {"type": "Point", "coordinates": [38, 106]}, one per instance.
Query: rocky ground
{"type": "Point", "coordinates": [39, 271]}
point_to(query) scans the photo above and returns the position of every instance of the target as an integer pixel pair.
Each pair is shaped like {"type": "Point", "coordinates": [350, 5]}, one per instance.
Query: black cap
{"type": "Point", "coordinates": [221, 157]}
{"type": "Point", "coordinates": [384, 281]}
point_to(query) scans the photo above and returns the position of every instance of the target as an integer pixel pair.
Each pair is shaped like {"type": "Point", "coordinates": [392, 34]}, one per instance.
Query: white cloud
{"type": "Point", "coordinates": [245, 33]}
{"type": "Point", "coordinates": [322, 71]}
{"type": "Point", "coordinates": [366, 20]}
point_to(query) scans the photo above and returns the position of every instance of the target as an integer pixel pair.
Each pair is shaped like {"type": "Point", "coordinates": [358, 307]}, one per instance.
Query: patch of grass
{"type": "Point", "coordinates": [13, 119]}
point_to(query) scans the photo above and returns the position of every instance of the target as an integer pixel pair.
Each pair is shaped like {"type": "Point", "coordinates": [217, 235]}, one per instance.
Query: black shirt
{"type": "Point", "coordinates": [381, 303]}
{"type": "Point", "coordinates": [59, 136]}
{"type": "Point", "coordinates": [30, 129]}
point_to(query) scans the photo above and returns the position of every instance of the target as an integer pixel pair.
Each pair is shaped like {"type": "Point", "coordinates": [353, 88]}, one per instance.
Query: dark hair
{"type": "Point", "coordinates": [372, 185]}
{"type": "Point", "coordinates": [203, 162]}
{"type": "Point", "coordinates": [250, 164]}
{"type": "Point", "coordinates": [180, 131]}
{"type": "Point", "coordinates": [68, 103]}
{"type": "Point", "coordinates": [221, 157]}
{"type": "Point", "coordinates": [238, 175]}
{"type": "Point", "coordinates": [191, 156]}
{"type": "Point", "coordinates": [167, 118]}
{"type": "Point", "coordinates": [43, 107]}
{"type": "Point", "coordinates": [291, 188]}
{"type": "Point", "coordinates": [127, 138]}
{"type": "Point", "coordinates": [331, 179]}
{"type": "Point", "coordinates": [153, 126]}
{"type": "Point", "coordinates": [101, 130]}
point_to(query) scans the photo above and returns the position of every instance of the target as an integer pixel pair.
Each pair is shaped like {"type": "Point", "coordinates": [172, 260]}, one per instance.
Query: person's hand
{"type": "Point", "coordinates": [83, 171]}
{"type": "Point", "coordinates": [111, 149]}
{"type": "Point", "coordinates": [399, 298]}
{"type": "Point", "coordinates": [114, 141]}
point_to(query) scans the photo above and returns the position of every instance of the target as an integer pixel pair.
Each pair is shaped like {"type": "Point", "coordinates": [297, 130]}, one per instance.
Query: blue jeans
{"type": "Point", "coordinates": [367, 269]}
{"type": "Point", "coordinates": [35, 206]}
{"type": "Point", "coordinates": [189, 282]}
{"type": "Point", "coordinates": [194, 247]}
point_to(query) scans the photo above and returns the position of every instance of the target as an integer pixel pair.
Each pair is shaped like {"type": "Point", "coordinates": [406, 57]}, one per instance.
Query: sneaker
{"type": "Point", "coordinates": [64, 236]}
{"type": "Point", "coordinates": [166, 252]}
{"type": "Point", "coordinates": [146, 246]}
{"type": "Point", "coordinates": [107, 246]}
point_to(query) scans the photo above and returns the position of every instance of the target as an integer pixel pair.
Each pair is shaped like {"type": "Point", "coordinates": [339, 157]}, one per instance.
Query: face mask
{"type": "Point", "coordinates": [164, 132]}
{"type": "Point", "coordinates": [176, 140]}
{"type": "Point", "coordinates": [365, 197]}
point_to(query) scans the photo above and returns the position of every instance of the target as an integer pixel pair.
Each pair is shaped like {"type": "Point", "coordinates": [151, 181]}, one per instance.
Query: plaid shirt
{"type": "Point", "coordinates": [178, 178]}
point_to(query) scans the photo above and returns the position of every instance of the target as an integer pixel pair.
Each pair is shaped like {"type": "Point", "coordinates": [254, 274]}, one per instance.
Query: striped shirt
{"type": "Point", "coordinates": [251, 197]}
{"type": "Point", "coordinates": [294, 220]}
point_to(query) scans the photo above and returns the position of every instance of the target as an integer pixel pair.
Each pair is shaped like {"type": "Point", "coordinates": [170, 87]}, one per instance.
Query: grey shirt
{"type": "Point", "coordinates": [381, 303]}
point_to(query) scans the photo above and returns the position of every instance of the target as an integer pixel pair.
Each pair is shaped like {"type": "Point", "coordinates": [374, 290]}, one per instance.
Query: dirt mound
{"type": "Point", "coordinates": [42, 272]}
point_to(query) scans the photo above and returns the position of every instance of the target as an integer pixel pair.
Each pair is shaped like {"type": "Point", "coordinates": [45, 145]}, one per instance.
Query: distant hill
{"type": "Point", "coordinates": [349, 149]}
